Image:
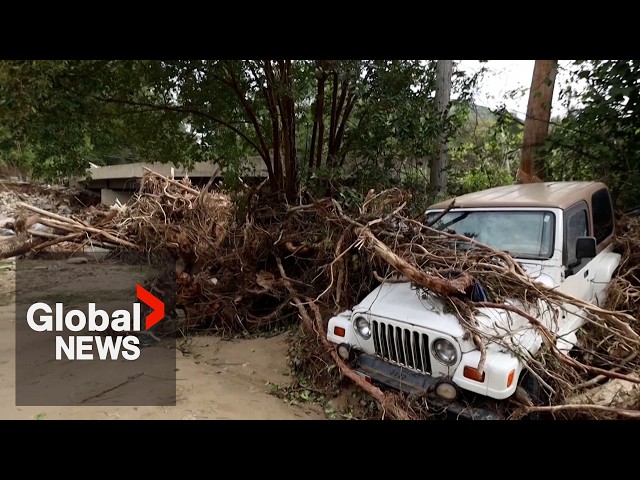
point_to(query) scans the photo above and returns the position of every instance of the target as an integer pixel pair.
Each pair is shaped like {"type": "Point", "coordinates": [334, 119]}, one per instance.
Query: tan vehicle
{"type": "Point", "coordinates": [560, 232]}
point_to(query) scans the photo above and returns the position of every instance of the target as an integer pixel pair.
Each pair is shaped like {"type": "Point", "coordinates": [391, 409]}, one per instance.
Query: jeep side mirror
{"type": "Point", "coordinates": [585, 247]}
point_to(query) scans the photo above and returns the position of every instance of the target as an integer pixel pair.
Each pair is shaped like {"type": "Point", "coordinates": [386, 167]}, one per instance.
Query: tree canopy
{"type": "Point", "coordinates": [598, 138]}
{"type": "Point", "coordinates": [327, 125]}
{"type": "Point", "coordinates": [300, 117]}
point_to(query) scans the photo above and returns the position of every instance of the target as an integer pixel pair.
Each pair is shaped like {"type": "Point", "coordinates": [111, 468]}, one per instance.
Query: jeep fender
{"type": "Point", "coordinates": [605, 268]}
{"type": "Point", "coordinates": [351, 338]}
{"type": "Point", "coordinates": [497, 369]}
{"type": "Point", "coordinates": [603, 272]}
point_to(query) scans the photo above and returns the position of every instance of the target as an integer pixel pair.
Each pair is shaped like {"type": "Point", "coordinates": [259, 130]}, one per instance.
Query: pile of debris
{"type": "Point", "coordinates": [57, 199]}
{"type": "Point", "coordinates": [20, 230]}
{"type": "Point", "coordinates": [251, 263]}
{"type": "Point", "coordinates": [624, 290]}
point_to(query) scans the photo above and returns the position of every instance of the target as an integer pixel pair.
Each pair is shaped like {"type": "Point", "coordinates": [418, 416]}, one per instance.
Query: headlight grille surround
{"type": "Point", "coordinates": [444, 351]}
{"type": "Point", "coordinates": [362, 326]}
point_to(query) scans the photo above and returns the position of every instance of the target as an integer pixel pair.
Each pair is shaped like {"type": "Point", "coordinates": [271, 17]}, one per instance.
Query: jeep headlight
{"type": "Point", "coordinates": [363, 327]}
{"type": "Point", "coordinates": [444, 351]}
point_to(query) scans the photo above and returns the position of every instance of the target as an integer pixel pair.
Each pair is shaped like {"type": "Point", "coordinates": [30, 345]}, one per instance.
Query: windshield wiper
{"type": "Point", "coordinates": [529, 256]}
{"type": "Point", "coordinates": [455, 220]}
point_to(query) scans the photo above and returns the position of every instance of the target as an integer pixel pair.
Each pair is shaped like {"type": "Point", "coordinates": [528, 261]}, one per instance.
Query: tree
{"type": "Point", "coordinates": [440, 163]}
{"type": "Point", "coordinates": [311, 117]}
{"type": "Point", "coordinates": [536, 126]}
{"type": "Point", "coordinates": [486, 151]}
{"type": "Point", "coordinates": [53, 109]}
{"type": "Point", "coordinates": [599, 137]}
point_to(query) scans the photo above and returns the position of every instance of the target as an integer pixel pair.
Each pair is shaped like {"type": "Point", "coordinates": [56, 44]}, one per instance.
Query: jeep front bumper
{"type": "Point", "coordinates": [414, 383]}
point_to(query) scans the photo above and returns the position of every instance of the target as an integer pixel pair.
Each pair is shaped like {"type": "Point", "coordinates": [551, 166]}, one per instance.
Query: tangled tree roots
{"type": "Point", "coordinates": [276, 263]}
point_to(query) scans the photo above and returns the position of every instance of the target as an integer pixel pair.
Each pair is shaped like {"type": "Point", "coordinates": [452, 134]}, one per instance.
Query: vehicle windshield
{"type": "Point", "coordinates": [524, 234]}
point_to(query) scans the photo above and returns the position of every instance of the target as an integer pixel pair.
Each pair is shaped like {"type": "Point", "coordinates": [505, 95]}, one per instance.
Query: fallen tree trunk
{"type": "Point", "coordinates": [55, 216]}
{"type": "Point", "coordinates": [67, 224]}
{"type": "Point", "coordinates": [79, 238]}
{"type": "Point", "coordinates": [19, 245]}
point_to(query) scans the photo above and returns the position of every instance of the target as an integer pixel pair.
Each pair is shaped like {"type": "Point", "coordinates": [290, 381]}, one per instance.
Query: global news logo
{"type": "Point", "coordinates": [119, 343]}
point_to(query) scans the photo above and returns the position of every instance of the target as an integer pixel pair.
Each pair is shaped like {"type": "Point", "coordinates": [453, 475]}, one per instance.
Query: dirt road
{"type": "Point", "coordinates": [216, 379]}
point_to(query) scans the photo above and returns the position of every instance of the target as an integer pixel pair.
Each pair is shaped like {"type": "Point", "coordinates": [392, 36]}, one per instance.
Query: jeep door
{"type": "Point", "coordinates": [578, 275]}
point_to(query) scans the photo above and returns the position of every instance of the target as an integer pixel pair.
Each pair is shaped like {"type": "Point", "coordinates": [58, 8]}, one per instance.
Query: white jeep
{"type": "Point", "coordinates": [400, 336]}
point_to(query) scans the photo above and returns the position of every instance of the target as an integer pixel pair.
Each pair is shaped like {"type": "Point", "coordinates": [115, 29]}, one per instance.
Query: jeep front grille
{"type": "Point", "coordinates": [402, 346]}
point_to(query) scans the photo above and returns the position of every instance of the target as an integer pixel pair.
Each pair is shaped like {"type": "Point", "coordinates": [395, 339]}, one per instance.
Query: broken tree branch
{"type": "Point", "coordinates": [18, 245]}
{"type": "Point", "coordinates": [71, 226]}
{"type": "Point", "coordinates": [442, 286]}
{"type": "Point", "coordinates": [383, 399]}
{"type": "Point", "coordinates": [623, 412]}
{"type": "Point", "coordinates": [172, 182]}
{"type": "Point", "coordinates": [55, 216]}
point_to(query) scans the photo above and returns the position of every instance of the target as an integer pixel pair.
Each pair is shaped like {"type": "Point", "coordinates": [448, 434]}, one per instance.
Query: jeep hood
{"type": "Point", "coordinates": [537, 272]}
{"type": "Point", "coordinates": [404, 303]}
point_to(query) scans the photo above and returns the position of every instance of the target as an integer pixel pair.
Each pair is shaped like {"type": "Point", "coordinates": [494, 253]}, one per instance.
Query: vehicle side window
{"type": "Point", "coordinates": [576, 226]}
{"type": "Point", "coordinates": [602, 215]}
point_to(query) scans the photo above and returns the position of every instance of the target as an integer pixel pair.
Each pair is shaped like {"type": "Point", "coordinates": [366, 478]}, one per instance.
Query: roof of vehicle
{"type": "Point", "coordinates": [547, 194]}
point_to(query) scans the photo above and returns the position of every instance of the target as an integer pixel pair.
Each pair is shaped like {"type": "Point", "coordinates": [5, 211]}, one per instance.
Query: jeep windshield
{"type": "Point", "coordinates": [523, 234]}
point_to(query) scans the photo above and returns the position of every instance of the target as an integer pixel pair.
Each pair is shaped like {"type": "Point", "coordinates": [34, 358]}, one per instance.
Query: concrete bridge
{"type": "Point", "coordinates": [119, 182]}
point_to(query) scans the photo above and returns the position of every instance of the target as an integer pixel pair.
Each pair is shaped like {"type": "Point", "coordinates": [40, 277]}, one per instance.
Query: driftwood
{"type": "Point", "coordinates": [186, 188]}
{"type": "Point", "coordinates": [79, 238]}
{"type": "Point", "coordinates": [231, 276]}
{"type": "Point", "coordinates": [622, 412]}
{"type": "Point", "coordinates": [19, 245]}
{"type": "Point", "coordinates": [385, 400]}
{"type": "Point", "coordinates": [444, 286]}
{"type": "Point", "coordinates": [45, 213]}
{"type": "Point", "coordinates": [172, 182]}
{"type": "Point", "coordinates": [71, 225]}
{"type": "Point", "coordinates": [58, 239]}
{"type": "Point", "coordinates": [73, 230]}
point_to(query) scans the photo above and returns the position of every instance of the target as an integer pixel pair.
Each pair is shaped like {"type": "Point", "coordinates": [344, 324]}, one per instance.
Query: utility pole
{"type": "Point", "coordinates": [438, 178]}
{"type": "Point", "coordinates": [536, 124]}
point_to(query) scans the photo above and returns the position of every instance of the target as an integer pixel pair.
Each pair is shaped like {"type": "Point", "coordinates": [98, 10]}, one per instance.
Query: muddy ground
{"type": "Point", "coordinates": [216, 378]}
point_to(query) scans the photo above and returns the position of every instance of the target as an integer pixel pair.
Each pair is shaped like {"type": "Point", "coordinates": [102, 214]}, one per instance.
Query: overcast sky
{"type": "Point", "coordinates": [505, 76]}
